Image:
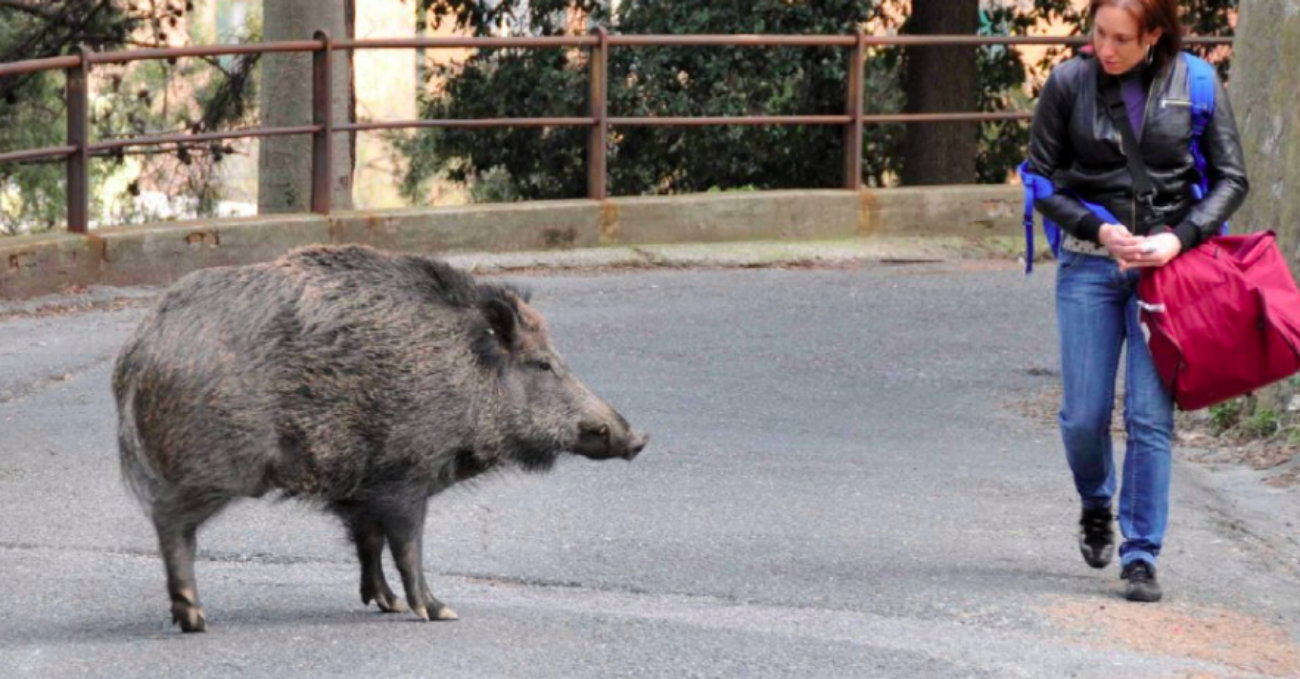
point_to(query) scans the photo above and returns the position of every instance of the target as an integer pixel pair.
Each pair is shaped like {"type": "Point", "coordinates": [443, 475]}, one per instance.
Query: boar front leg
{"type": "Point", "coordinates": [404, 527]}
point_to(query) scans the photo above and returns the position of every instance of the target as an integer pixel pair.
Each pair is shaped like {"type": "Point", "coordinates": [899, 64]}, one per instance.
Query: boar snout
{"type": "Point", "coordinates": [638, 443]}
{"type": "Point", "coordinates": [608, 438]}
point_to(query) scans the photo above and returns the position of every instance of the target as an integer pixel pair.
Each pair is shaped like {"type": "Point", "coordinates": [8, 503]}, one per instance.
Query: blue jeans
{"type": "Point", "coordinates": [1097, 315]}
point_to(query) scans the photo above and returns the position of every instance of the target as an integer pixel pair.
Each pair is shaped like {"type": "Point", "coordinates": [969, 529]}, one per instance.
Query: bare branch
{"type": "Point", "coordinates": [195, 150]}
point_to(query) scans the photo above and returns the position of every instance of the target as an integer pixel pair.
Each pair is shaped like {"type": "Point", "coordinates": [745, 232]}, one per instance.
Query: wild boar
{"type": "Point", "coordinates": [362, 381]}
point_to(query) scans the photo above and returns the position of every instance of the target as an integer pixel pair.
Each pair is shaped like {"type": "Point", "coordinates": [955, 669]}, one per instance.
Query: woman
{"type": "Point", "coordinates": [1077, 145]}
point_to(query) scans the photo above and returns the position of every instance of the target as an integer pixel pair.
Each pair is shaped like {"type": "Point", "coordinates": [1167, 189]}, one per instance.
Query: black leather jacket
{"type": "Point", "coordinates": [1077, 145]}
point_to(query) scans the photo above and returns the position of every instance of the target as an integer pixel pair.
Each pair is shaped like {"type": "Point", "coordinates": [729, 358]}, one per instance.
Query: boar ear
{"type": "Point", "coordinates": [502, 321]}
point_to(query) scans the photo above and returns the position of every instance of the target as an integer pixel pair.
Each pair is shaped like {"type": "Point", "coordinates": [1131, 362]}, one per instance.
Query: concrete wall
{"type": "Point", "coordinates": [160, 253]}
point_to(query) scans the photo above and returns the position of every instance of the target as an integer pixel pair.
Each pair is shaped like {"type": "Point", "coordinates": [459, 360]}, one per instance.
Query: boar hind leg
{"type": "Point", "coordinates": [368, 536]}
{"type": "Point", "coordinates": [405, 531]}
{"type": "Point", "coordinates": [177, 524]}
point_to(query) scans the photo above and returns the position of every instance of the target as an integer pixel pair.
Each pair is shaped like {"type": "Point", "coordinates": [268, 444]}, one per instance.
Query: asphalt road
{"type": "Point", "coordinates": [842, 483]}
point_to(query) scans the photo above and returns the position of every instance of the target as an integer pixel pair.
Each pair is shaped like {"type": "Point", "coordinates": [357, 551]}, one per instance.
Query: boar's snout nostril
{"type": "Point", "coordinates": [635, 446]}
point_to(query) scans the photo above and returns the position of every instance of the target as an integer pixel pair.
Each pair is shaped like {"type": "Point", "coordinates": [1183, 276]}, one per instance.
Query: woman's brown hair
{"type": "Point", "coordinates": [1151, 15]}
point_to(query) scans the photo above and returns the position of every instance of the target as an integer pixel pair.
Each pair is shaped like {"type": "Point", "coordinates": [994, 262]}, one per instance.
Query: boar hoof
{"type": "Point", "coordinates": [440, 612]}
{"type": "Point", "coordinates": [190, 618]}
{"type": "Point", "coordinates": [387, 601]}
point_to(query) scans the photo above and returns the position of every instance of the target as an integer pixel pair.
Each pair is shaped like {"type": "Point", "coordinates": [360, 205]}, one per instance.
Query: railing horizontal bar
{"type": "Point", "coordinates": [735, 40]}
{"type": "Point", "coordinates": [467, 43]}
{"type": "Point", "coordinates": [36, 154]}
{"type": "Point", "coordinates": [731, 120]}
{"type": "Point", "coordinates": [125, 56]}
{"type": "Point", "coordinates": [207, 136]}
{"type": "Point", "coordinates": [946, 117]}
{"type": "Point", "coordinates": [972, 40]}
{"type": "Point", "coordinates": [883, 40]}
{"type": "Point", "coordinates": [33, 65]}
{"type": "Point", "coordinates": [682, 121]}
{"type": "Point", "coordinates": [119, 57]}
{"type": "Point", "coordinates": [485, 122]}
{"type": "Point", "coordinates": [1014, 40]}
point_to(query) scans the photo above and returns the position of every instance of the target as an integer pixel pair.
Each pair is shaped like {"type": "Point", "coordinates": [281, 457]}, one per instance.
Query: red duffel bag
{"type": "Point", "coordinates": [1222, 320]}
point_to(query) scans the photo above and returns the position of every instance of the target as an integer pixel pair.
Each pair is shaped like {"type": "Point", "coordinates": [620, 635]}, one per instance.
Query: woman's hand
{"type": "Point", "coordinates": [1121, 244]}
{"type": "Point", "coordinates": [1153, 251]}
{"type": "Point", "coordinates": [1136, 252]}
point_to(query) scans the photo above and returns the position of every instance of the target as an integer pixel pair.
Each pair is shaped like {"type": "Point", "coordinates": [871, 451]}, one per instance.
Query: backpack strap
{"type": "Point", "coordinates": [1200, 87]}
{"type": "Point", "coordinates": [1039, 187]}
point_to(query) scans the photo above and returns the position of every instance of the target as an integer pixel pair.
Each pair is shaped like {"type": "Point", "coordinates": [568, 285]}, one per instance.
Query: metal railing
{"type": "Point", "coordinates": [80, 147]}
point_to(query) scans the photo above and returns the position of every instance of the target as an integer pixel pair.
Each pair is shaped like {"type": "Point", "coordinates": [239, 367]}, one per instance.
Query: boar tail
{"type": "Point", "coordinates": [137, 471]}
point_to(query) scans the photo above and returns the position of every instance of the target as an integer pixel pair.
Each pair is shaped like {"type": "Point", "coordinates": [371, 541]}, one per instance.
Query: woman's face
{"type": "Point", "coordinates": [1118, 41]}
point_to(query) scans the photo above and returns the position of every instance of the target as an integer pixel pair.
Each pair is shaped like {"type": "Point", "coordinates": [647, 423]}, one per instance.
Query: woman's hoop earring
{"type": "Point", "coordinates": [1151, 54]}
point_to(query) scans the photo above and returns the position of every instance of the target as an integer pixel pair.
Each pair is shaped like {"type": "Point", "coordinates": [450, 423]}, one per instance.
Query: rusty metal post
{"type": "Point", "coordinates": [78, 164]}
{"type": "Point", "coordinates": [853, 131]}
{"type": "Point", "coordinates": [322, 108]}
{"type": "Point", "coordinates": [598, 136]}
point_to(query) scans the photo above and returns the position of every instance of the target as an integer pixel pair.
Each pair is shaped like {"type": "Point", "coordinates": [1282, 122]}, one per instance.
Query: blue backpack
{"type": "Point", "coordinates": [1200, 75]}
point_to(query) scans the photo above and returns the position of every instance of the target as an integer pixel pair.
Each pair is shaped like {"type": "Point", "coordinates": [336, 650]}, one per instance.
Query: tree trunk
{"type": "Point", "coordinates": [284, 163]}
{"type": "Point", "coordinates": [1268, 38]}
{"type": "Point", "coordinates": [941, 80]}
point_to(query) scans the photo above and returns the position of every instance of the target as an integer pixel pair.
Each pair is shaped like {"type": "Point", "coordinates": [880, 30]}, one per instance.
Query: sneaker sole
{"type": "Point", "coordinates": [1092, 558]}
{"type": "Point", "coordinates": [1144, 597]}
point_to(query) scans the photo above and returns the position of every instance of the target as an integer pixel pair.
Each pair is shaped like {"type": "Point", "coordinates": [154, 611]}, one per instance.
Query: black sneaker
{"type": "Point", "coordinates": [1097, 537]}
{"type": "Point", "coordinates": [1142, 585]}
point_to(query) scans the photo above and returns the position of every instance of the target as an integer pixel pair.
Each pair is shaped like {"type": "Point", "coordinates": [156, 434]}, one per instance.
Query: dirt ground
{"type": "Point", "coordinates": [1246, 643]}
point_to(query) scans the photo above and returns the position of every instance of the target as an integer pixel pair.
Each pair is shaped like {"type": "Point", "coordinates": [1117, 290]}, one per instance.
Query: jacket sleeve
{"type": "Point", "coordinates": [1226, 168]}
{"type": "Point", "coordinates": [1050, 150]}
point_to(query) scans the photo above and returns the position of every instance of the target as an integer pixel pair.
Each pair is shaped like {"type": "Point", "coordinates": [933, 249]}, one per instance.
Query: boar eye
{"type": "Point", "coordinates": [544, 365]}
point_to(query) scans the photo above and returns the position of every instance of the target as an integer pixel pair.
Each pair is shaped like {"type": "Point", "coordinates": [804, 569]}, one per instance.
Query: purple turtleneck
{"type": "Point", "coordinates": [1133, 87]}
